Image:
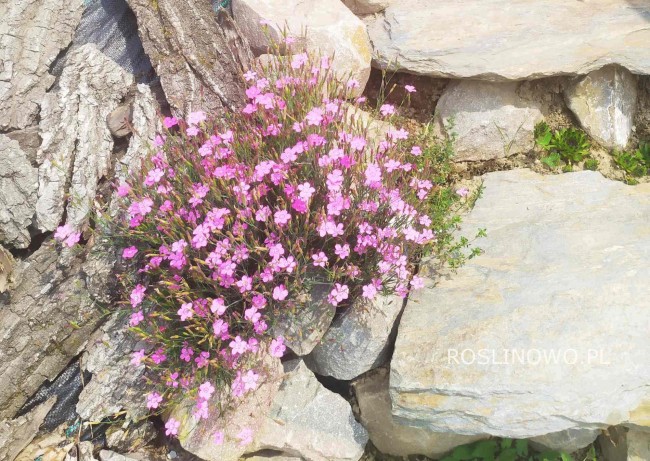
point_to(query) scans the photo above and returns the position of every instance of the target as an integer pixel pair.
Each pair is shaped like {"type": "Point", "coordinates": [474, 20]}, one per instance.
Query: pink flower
{"type": "Point", "coordinates": [358, 143]}
{"type": "Point", "coordinates": [250, 75]}
{"type": "Point", "coordinates": [172, 427]}
{"type": "Point", "coordinates": [314, 117]}
{"type": "Point", "coordinates": [335, 180]}
{"type": "Point", "coordinates": [218, 438]}
{"type": "Point", "coordinates": [136, 318]}
{"type": "Point", "coordinates": [137, 357]}
{"type": "Point", "coordinates": [342, 251]}
{"type": "Point", "coordinates": [463, 192]}
{"type": "Point", "coordinates": [417, 282]}
{"type": "Point", "coordinates": [409, 88]}
{"type": "Point", "coordinates": [137, 295]}
{"type": "Point", "coordinates": [129, 252]}
{"type": "Point", "coordinates": [196, 117]}
{"type": "Point", "coordinates": [245, 436]}
{"type": "Point", "coordinates": [281, 217]}
{"type": "Point", "coordinates": [387, 109]}
{"type": "Point", "coordinates": [192, 131]}
{"type": "Point", "coordinates": [352, 83]}
{"type": "Point", "coordinates": [185, 311]}
{"type": "Point", "coordinates": [416, 150]}
{"type": "Point", "coordinates": [306, 191]}
{"type": "Point", "coordinates": [250, 380]}
{"type": "Point", "coordinates": [153, 400]}
{"type": "Point", "coordinates": [238, 346]}
{"type": "Point", "coordinates": [158, 357]}
{"type": "Point", "coordinates": [339, 293]}
{"type": "Point", "coordinates": [369, 291]}
{"type": "Point", "coordinates": [320, 259]}
{"type": "Point", "coordinates": [170, 122]}
{"type": "Point", "coordinates": [373, 174]}
{"type": "Point", "coordinates": [277, 347]}
{"type": "Point", "coordinates": [123, 190]}
{"type": "Point", "coordinates": [206, 390]}
{"type": "Point", "coordinates": [154, 176]}
{"type": "Point", "coordinates": [218, 306]}
{"type": "Point", "coordinates": [299, 60]}
{"type": "Point", "coordinates": [202, 359]}
{"type": "Point", "coordinates": [187, 353]}
{"type": "Point", "coordinates": [280, 293]}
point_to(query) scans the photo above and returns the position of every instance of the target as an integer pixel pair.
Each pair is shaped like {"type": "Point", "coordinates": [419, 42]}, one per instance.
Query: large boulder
{"type": "Point", "coordinates": [547, 331]}
{"type": "Point", "coordinates": [604, 101]}
{"type": "Point", "coordinates": [490, 120]}
{"type": "Point", "coordinates": [32, 34]}
{"type": "Point", "coordinates": [322, 25]}
{"type": "Point", "coordinates": [77, 144]}
{"type": "Point", "coordinates": [18, 192]}
{"type": "Point", "coordinates": [528, 39]}
{"type": "Point", "coordinates": [357, 340]}
{"type": "Point", "coordinates": [363, 7]}
{"type": "Point", "coordinates": [390, 437]}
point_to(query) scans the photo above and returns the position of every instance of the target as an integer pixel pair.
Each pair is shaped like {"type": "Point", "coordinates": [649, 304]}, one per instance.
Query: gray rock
{"type": "Point", "coordinates": [325, 26]}
{"type": "Point", "coordinates": [198, 57]}
{"type": "Point", "coordinates": [567, 441]}
{"type": "Point", "coordinates": [303, 330]}
{"type": "Point", "coordinates": [133, 437]}
{"type": "Point", "coordinates": [391, 438]}
{"type": "Point", "coordinates": [490, 119]}
{"type": "Point", "coordinates": [32, 33]}
{"type": "Point", "coordinates": [16, 434]}
{"type": "Point", "coordinates": [638, 445]}
{"type": "Point", "coordinates": [119, 121]}
{"type": "Point", "coordinates": [363, 7]}
{"type": "Point", "coordinates": [18, 188]}
{"type": "Point", "coordinates": [7, 264]}
{"type": "Point", "coordinates": [77, 143]}
{"type": "Point", "coordinates": [547, 330]}
{"type": "Point", "coordinates": [358, 340]}
{"type": "Point", "coordinates": [47, 319]}
{"type": "Point", "coordinates": [604, 101]}
{"type": "Point", "coordinates": [108, 455]}
{"type": "Point", "coordinates": [116, 384]}
{"type": "Point", "coordinates": [482, 39]}
{"type": "Point", "coordinates": [621, 445]}
{"type": "Point", "coordinates": [310, 421]}
{"type": "Point", "coordinates": [29, 141]}
{"type": "Point", "coordinates": [83, 451]}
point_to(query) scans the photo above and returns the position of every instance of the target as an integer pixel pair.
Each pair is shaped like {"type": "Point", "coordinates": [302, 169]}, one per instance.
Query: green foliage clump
{"type": "Point", "coordinates": [503, 450]}
{"type": "Point", "coordinates": [635, 164]}
{"type": "Point", "coordinates": [566, 147]}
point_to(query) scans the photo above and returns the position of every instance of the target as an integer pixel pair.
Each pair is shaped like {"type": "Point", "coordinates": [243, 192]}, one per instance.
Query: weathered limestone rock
{"type": "Point", "coordinates": [326, 25]}
{"type": "Point", "coordinates": [303, 330]}
{"type": "Point", "coordinates": [290, 413]}
{"type": "Point", "coordinates": [18, 187]}
{"type": "Point", "coordinates": [605, 102]}
{"type": "Point", "coordinates": [310, 421]}
{"type": "Point", "coordinates": [198, 57]}
{"type": "Point", "coordinates": [547, 330]}
{"type": "Point", "coordinates": [131, 437]}
{"type": "Point", "coordinates": [47, 319]}
{"type": "Point", "coordinates": [108, 455]}
{"type": "Point", "coordinates": [638, 446]}
{"type": "Point", "coordinates": [490, 119]}
{"type": "Point", "coordinates": [77, 143]}
{"type": "Point", "coordinates": [116, 384]}
{"type": "Point", "coordinates": [358, 340]}
{"type": "Point", "coordinates": [482, 39]}
{"type": "Point", "coordinates": [32, 33]}
{"type": "Point", "coordinates": [6, 268]}
{"type": "Point", "coordinates": [567, 441]}
{"type": "Point", "coordinates": [16, 434]}
{"type": "Point", "coordinates": [363, 7]}
{"type": "Point", "coordinates": [83, 451]}
{"type": "Point", "coordinates": [619, 445]}
{"type": "Point", "coordinates": [390, 437]}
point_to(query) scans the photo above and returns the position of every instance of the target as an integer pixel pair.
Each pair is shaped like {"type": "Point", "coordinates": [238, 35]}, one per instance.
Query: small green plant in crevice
{"type": "Point", "coordinates": [591, 164]}
{"type": "Point", "coordinates": [566, 147]}
{"type": "Point", "coordinates": [635, 164]}
{"type": "Point", "coordinates": [503, 450]}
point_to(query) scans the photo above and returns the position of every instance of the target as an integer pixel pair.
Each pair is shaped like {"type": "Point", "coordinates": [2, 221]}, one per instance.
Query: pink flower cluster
{"type": "Point", "coordinates": [233, 223]}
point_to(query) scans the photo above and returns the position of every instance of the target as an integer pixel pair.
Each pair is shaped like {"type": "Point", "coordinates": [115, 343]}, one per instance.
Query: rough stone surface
{"type": "Point", "coordinates": [363, 7]}
{"type": "Point", "coordinates": [116, 384]}
{"type": "Point", "coordinates": [108, 455]}
{"type": "Point", "coordinates": [638, 446]}
{"type": "Point", "coordinates": [18, 187]}
{"type": "Point", "coordinates": [77, 144]}
{"type": "Point", "coordinates": [357, 340]}
{"type": "Point", "coordinates": [131, 438]}
{"type": "Point", "coordinates": [605, 104]}
{"type": "Point", "coordinates": [16, 434]}
{"type": "Point", "coordinates": [7, 264]}
{"type": "Point", "coordinates": [310, 421]}
{"type": "Point", "coordinates": [490, 119]}
{"type": "Point", "coordinates": [562, 286]}
{"type": "Point", "coordinates": [29, 141]}
{"type": "Point", "coordinates": [198, 56]}
{"type": "Point", "coordinates": [386, 434]}
{"type": "Point", "coordinates": [83, 451]}
{"type": "Point", "coordinates": [566, 441]}
{"type": "Point", "coordinates": [32, 33]}
{"type": "Point", "coordinates": [47, 319]}
{"type": "Point", "coordinates": [323, 25]}
{"type": "Point", "coordinates": [303, 330]}
{"type": "Point", "coordinates": [482, 39]}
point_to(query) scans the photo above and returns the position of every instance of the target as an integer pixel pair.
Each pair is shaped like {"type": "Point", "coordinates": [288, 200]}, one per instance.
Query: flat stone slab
{"type": "Point", "coordinates": [518, 39]}
{"type": "Point", "coordinates": [549, 329]}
